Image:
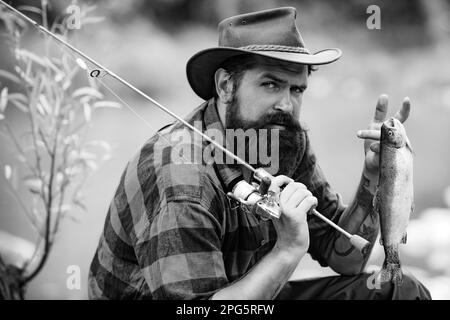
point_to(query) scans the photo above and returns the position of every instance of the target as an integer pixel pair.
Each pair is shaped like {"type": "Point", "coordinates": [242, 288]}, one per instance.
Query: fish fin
{"type": "Point", "coordinates": [376, 202]}
{"type": "Point", "coordinates": [408, 145]}
{"type": "Point", "coordinates": [391, 272]}
{"type": "Point", "coordinates": [404, 238]}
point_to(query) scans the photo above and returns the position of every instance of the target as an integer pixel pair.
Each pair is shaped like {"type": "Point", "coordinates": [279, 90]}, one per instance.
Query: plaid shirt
{"type": "Point", "coordinates": [171, 232]}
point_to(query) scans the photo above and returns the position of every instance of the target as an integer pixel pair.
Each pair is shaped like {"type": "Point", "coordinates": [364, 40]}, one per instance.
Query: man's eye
{"type": "Point", "coordinates": [270, 85]}
{"type": "Point", "coordinates": [298, 90]}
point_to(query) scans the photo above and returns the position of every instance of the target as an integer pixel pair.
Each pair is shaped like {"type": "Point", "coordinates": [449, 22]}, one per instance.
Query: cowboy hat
{"type": "Point", "coordinates": [269, 33]}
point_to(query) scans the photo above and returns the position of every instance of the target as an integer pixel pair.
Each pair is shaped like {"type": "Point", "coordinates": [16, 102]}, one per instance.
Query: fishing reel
{"type": "Point", "coordinates": [265, 202]}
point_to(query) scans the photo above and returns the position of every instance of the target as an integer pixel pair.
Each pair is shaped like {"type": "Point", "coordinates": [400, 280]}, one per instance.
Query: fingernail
{"type": "Point", "coordinates": [358, 133]}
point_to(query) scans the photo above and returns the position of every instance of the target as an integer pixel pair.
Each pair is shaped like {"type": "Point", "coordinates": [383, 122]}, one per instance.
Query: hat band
{"type": "Point", "coordinates": [274, 47]}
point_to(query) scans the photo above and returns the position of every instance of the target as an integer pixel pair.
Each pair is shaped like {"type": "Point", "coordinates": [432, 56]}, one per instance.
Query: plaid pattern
{"type": "Point", "coordinates": [171, 233]}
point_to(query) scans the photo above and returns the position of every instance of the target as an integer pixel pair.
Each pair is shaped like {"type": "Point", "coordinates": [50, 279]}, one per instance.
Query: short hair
{"type": "Point", "coordinates": [236, 66]}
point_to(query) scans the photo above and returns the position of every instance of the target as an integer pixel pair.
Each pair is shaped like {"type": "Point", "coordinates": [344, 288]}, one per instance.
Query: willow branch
{"type": "Point", "coordinates": [47, 243]}
{"type": "Point", "coordinates": [19, 149]}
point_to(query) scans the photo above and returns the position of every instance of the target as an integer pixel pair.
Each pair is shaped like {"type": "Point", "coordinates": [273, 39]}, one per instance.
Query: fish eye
{"type": "Point", "coordinates": [390, 133]}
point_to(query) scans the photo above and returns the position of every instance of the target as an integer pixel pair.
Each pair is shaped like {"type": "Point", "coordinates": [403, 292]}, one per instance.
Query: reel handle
{"type": "Point", "coordinates": [264, 186]}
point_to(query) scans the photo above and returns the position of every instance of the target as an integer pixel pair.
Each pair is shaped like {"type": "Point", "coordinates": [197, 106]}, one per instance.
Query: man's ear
{"type": "Point", "coordinates": [224, 85]}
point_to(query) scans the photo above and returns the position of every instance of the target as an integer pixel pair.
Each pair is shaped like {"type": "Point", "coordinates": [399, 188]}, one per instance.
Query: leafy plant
{"type": "Point", "coordinates": [53, 157]}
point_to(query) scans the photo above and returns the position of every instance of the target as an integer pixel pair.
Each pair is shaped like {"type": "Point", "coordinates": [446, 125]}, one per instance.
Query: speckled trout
{"type": "Point", "coordinates": [394, 199]}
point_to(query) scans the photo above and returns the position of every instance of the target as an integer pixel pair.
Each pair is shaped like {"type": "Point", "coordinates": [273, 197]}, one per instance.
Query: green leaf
{"type": "Point", "coordinates": [8, 172]}
{"type": "Point", "coordinates": [34, 185]}
{"type": "Point", "coordinates": [24, 76]}
{"type": "Point", "coordinates": [27, 55]}
{"type": "Point", "coordinates": [87, 112]}
{"type": "Point", "coordinates": [77, 200]}
{"type": "Point", "coordinates": [92, 165]}
{"type": "Point", "coordinates": [3, 99]}
{"type": "Point", "coordinates": [52, 66]}
{"type": "Point", "coordinates": [80, 204]}
{"type": "Point", "coordinates": [72, 171]}
{"type": "Point", "coordinates": [65, 209]}
{"type": "Point", "coordinates": [87, 91]}
{"type": "Point", "coordinates": [87, 155]}
{"type": "Point", "coordinates": [19, 97]}
{"type": "Point", "coordinates": [10, 19]}
{"type": "Point", "coordinates": [19, 100]}
{"type": "Point", "coordinates": [81, 63]}
{"type": "Point", "coordinates": [40, 109]}
{"type": "Point", "coordinates": [44, 103]}
{"type": "Point", "coordinates": [59, 77]}
{"type": "Point", "coordinates": [30, 9]}
{"type": "Point", "coordinates": [19, 105]}
{"type": "Point", "coordinates": [107, 104]}
{"type": "Point", "coordinates": [10, 76]}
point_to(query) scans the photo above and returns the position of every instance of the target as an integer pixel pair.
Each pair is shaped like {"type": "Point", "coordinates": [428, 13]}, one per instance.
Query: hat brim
{"type": "Point", "coordinates": [201, 67]}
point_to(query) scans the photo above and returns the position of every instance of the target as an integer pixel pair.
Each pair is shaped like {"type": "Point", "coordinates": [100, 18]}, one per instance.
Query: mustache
{"type": "Point", "coordinates": [280, 118]}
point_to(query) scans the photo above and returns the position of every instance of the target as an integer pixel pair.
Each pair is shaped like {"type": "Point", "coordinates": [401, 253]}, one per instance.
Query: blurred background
{"type": "Point", "coordinates": [149, 42]}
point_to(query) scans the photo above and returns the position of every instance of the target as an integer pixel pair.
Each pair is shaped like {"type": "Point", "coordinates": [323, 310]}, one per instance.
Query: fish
{"type": "Point", "coordinates": [394, 197]}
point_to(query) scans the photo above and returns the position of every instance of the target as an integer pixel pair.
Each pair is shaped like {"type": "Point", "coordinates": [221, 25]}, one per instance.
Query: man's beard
{"type": "Point", "coordinates": [289, 144]}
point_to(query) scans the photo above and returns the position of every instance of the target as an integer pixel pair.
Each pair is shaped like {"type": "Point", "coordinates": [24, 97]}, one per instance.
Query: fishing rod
{"type": "Point", "coordinates": [264, 201]}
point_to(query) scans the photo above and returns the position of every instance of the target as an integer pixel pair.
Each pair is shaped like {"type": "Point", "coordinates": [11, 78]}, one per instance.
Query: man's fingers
{"type": "Point", "coordinates": [308, 203]}
{"type": "Point", "coordinates": [290, 189]}
{"type": "Point", "coordinates": [278, 182]}
{"type": "Point", "coordinates": [297, 197]}
{"type": "Point", "coordinates": [287, 192]}
{"type": "Point", "coordinates": [403, 113]}
{"type": "Point", "coordinates": [375, 147]}
{"type": "Point", "coordinates": [381, 109]}
{"type": "Point", "coordinates": [369, 134]}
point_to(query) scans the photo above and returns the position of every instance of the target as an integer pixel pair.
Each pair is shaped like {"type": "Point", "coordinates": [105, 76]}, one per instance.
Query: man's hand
{"type": "Point", "coordinates": [373, 133]}
{"type": "Point", "coordinates": [270, 274]}
{"type": "Point", "coordinates": [292, 227]}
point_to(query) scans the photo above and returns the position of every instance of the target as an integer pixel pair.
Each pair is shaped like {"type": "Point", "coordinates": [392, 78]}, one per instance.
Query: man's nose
{"type": "Point", "coordinates": [285, 104]}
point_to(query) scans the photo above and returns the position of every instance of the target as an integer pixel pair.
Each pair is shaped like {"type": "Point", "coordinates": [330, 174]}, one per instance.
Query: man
{"type": "Point", "coordinates": [172, 233]}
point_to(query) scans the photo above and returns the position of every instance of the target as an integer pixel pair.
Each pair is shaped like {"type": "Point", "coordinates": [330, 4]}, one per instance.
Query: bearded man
{"type": "Point", "coordinates": [172, 232]}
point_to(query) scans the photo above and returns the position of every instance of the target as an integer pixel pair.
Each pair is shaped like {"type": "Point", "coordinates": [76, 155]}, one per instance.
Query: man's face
{"type": "Point", "coordinates": [270, 97]}
{"type": "Point", "coordinates": [265, 92]}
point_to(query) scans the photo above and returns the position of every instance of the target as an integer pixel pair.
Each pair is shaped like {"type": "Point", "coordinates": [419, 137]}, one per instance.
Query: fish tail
{"type": "Point", "coordinates": [391, 270]}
